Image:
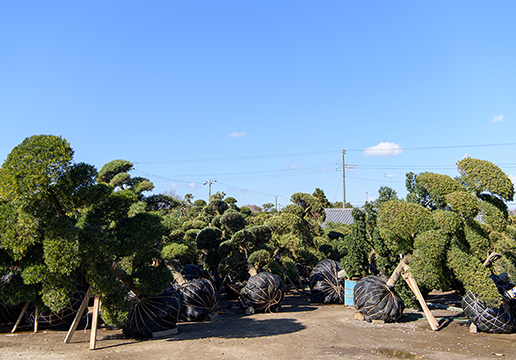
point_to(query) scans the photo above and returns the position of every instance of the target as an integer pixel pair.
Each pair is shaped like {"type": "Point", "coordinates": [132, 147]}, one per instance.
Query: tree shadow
{"type": "Point", "coordinates": [237, 327]}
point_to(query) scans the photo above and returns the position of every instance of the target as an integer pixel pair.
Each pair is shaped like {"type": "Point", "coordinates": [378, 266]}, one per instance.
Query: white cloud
{"type": "Point", "coordinates": [173, 185]}
{"type": "Point", "coordinates": [497, 118]}
{"type": "Point", "coordinates": [191, 186]}
{"type": "Point", "coordinates": [293, 166]}
{"type": "Point", "coordinates": [235, 134]}
{"type": "Point", "coordinates": [384, 149]}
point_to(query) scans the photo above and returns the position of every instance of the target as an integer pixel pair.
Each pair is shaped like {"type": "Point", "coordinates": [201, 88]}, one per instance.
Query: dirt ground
{"type": "Point", "coordinates": [301, 330]}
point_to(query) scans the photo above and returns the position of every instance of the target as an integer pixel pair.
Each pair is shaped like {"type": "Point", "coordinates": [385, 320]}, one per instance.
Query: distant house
{"type": "Point", "coordinates": [338, 216]}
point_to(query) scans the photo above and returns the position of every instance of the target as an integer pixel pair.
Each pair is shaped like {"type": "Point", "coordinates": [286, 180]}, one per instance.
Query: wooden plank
{"type": "Point", "coordinates": [24, 310]}
{"type": "Point", "coordinates": [36, 316]}
{"type": "Point", "coordinates": [397, 272]}
{"type": "Point", "coordinates": [94, 323]}
{"type": "Point", "coordinates": [78, 316]}
{"type": "Point", "coordinates": [415, 289]}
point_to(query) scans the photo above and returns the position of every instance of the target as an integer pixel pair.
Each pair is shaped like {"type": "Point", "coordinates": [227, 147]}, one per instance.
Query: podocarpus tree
{"type": "Point", "coordinates": [59, 223]}
{"type": "Point", "coordinates": [438, 227]}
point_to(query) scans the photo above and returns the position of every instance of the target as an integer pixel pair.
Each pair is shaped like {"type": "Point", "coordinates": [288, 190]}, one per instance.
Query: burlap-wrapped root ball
{"type": "Point", "coordinates": [262, 293]}
{"type": "Point", "coordinates": [199, 298]}
{"type": "Point", "coordinates": [325, 285]}
{"type": "Point", "coordinates": [377, 301]}
{"type": "Point", "coordinates": [489, 319]}
{"type": "Point", "coordinates": [153, 314]}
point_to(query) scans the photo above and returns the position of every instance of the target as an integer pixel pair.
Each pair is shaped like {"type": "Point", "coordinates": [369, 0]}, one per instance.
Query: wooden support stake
{"type": "Point", "coordinates": [94, 323]}
{"type": "Point", "coordinates": [36, 316]}
{"type": "Point", "coordinates": [78, 316]}
{"type": "Point", "coordinates": [24, 310]}
{"type": "Point", "coordinates": [415, 289]}
{"type": "Point", "coordinates": [397, 272]}
{"type": "Point", "coordinates": [473, 328]}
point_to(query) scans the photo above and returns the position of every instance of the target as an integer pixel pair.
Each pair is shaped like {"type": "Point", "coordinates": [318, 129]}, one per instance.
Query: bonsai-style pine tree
{"type": "Point", "coordinates": [61, 222]}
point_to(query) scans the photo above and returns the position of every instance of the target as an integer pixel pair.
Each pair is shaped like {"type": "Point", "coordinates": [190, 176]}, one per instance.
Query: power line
{"type": "Point", "coordinates": [270, 156]}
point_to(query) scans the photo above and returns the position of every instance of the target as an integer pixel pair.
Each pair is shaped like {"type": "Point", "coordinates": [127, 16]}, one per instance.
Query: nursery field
{"type": "Point", "coordinates": [300, 330]}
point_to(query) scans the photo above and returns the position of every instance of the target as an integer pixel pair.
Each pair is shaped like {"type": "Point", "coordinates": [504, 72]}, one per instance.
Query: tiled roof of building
{"type": "Point", "coordinates": [344, 216]}
{"type": "Point", "coordinates": [338, 216]}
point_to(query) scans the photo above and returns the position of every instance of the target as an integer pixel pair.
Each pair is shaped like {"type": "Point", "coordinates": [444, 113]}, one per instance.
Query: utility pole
{"type": "Point", "coordinates": [390, 178]}
{"type": "Point", "coordinates": [343, 180]}
{"type": "Point", "coordinates": [209, 182]}
{"type": "Point", "coordinates": [276, 202]}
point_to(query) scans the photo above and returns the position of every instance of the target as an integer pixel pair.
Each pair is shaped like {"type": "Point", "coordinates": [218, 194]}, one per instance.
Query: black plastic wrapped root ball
{"type": "Point", "coordinates": [325, 285]}
{"type": "Point", "coordinates": [199, 297]}
{"type": "Point", "coordinates": [377, 301]}
{"type": "Point", "coordinates": [64, 318]}
{"type": "Point", "coordinates": [191, 271]}
{"type": "Point", "coordinates": [262, 293]}
{"type": "Point", "coordinates": [9, 313]}
{"type": "Point", "coordinates": [489, 319]}
{"type": "Point", "coordinates": [153, 314]}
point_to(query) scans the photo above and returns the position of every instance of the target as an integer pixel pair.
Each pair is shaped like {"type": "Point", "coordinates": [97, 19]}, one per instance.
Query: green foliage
{"type": "Point", "coordinates": [288, 241]}
{"type": "Point", "coordinates": [438, 186]}
{"type": "Point", "coordinates": [477, 238]}
{"type": "Point", "coordinates": [321, 196]}
{"type": "Point", "coordinates": [294, 209]}
{"type": "Point", "coordinates": [61, 247]}
{"type": "Point", "coordinates": [113, 168]}
{"type": "Point", "coordinates": [284, 267]}
{"type": "Point", "coordinates": [311, 206]}
{"type": "Point", "coordinates": [428, 261]}
{"type": "Point", "coordinates": [473, 275]}
{"type": "Point", "coordinates": [184, 253]}
{"type": "Point", "coordinates": [232, 221]}
{"type": "Point", "coordinates": [234, 267]}
{"type": "Point", "coordinates": [18, 230]}
{"type": "Point", "coordinates": [161, 202]}
{"type": "Point", "coordinates": [464, 203]}
{"type": "Point", "coordinates": [493, 216]}
{"type": "Point", "coordinates": [199, 203]}
{"type": "Point", "coordinates": [286, 223]}
{"type": "Point", "coordinates": [447, 221]}
{"type": "Point", "coordinates": [139, 234]}
{"type": "Point", "coordinates": [259, 259]}
{"type": "Point", "coordinates": [400, 222]}
{"type": "Point", "coordinates": [262, 233]}
{"type": "Point", "coordinates": [385, 194]}
{"type": "Point", "coordinates": [483, 176]}
{"type": "Point", "coordinates": [34, 167]}
{"type": "Point", "coordinates": [151, 280]}
{"type": "Point", "coordinates": [355, 261]}
{"type": "Point", "coordinates": [193, 224]}
{"type": "Point", "coordinates": [115, 308]}
{"type": "Point", "coordinates": [209, 238]}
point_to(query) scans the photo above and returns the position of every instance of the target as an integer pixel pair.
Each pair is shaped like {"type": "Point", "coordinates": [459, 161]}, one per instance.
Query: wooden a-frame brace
{"type": "Point", "coordinates": [94, 319]}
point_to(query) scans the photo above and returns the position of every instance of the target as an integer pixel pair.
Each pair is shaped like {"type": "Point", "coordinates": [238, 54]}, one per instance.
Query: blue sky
{"type": "Point", "coordinates": [262, 96]}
